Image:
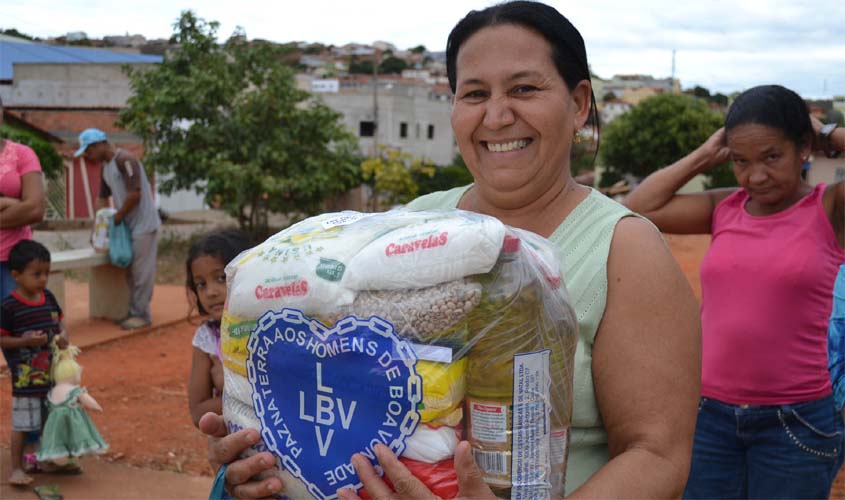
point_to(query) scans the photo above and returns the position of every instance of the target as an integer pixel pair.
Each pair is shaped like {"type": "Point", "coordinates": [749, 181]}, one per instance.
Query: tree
{"type": "Point", "coordinates": [656, 133]}
{"type": "Point", "coordinates": [451, 176]}
{"type": "Point", "coordinates": [48, 157]}
{"type": "Point", "coordinates": [229, 120]}
{"type": "Point", "coordinates": [419, 49]}
{"type": "Point", "coordinates": [699, 91]}
{"type": "Point", "coordinates": [357, 67]}
{"type": "Point", "coordinates": [720, 99]}
{"type": "Point", "coordinates": [608, 97]}
{"type": "Point", "coordinates": [15, 33]}
{"type": "Point", "coordinates": [391, 175]}
{"type": "Point", "coordinates": [392, 65]}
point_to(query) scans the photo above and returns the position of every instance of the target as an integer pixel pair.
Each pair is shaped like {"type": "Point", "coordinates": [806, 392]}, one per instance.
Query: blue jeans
{"type": "Point", "coordinates": [7, 283]}
{"type": "Point", "coordinates": [789, 451]}
{"type": "Point", "coordinates": [836, 340]}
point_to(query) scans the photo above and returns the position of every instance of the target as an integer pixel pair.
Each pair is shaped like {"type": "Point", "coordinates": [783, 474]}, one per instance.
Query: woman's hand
{"type": "Point", "coordinates": [471, 483]}
{"type": "Point", "coordinates": [224, 448]}
{"type": "Point", "coordinates": [6, 202]}
{"type": "Point", "coordinates": [713, 152]}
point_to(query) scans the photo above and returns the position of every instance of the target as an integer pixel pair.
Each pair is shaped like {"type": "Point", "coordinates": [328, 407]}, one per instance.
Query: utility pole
{"type": "Point", "coordinates": [673, 71]}
{"type": "Point", "coordinates": [377, 61]}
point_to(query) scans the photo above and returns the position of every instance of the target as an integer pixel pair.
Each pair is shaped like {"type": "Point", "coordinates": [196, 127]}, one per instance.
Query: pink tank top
{"type": "Point", "coordinates": [16, 160]}
{"type": "Point", "coordinates": [767, 292]}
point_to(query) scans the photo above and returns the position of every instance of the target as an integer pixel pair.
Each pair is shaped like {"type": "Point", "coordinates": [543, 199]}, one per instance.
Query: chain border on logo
{"type": "Point", "coordinates": [346, 325]}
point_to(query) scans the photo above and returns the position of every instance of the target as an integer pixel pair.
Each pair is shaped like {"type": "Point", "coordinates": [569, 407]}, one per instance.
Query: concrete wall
{"type": "Point", "coordinates": [827, 170]}
{"type": "Point", "coordinates": [69, 85]}
{"type": "Point", "coordinates": [397, 104]}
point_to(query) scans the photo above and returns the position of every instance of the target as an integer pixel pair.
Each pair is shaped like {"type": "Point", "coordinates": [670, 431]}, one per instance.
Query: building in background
{"type": "Point", "coordinates": [63, 90]}
{"type": "Point", "coordinates": [413, 115]}
{"type": "Point", "coordinates": [613, 109]}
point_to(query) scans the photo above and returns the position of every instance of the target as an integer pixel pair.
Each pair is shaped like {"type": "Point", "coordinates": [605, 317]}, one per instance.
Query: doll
{"type": "Point", "coordinates": [69, 432]}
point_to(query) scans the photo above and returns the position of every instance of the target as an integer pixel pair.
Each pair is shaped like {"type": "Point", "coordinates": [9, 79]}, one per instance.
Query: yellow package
{"type": "Point", "coordinates": [443, 388]}
{"type": "Point", "coordinates": [234, 335]}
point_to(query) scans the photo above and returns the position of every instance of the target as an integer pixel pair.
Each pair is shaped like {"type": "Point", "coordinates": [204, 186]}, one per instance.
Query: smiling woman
{"type": "Point", "coordinates": [521, 82]}
{"type": "Point", "coordinates": [767, 290]}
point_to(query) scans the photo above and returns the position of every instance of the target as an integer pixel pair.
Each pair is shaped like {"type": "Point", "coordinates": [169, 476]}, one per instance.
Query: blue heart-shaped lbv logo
{"type": "Point", "coordinates": [323, 394]}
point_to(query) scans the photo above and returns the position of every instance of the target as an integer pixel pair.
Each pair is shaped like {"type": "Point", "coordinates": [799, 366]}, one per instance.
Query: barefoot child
{"type": "Point", "coordinates": [30, 322]}
{"type": "Point", "coordinates": [206, 283]}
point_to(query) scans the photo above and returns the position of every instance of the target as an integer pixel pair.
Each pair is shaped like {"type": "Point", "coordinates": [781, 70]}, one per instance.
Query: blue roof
{"type": "Point", "coordinates": [14, 52]}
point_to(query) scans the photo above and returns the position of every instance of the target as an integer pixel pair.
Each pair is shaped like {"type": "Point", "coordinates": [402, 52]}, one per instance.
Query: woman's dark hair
{"type": "Point", "coordinates": [773, 106]}
{"type": "Point", "coordinates": [224, 244]}
{"type": "Point", "coordinates": [26, 251]}
{"type": "Point", "coordinates": [568, 51]}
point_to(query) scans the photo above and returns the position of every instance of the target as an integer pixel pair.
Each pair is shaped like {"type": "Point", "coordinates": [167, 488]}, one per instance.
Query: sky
{"type": "Point", "coordinates": [723, 45]}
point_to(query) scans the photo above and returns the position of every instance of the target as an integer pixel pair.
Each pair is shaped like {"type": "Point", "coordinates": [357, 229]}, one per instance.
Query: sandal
{"type": "Point", "coordinates": [70, 468]}
{"type": "Point", "coordinates": [48, 492]}
{"type": "Point", "coordinates": [19, 478]}
{"type": "Point", "coordinates": [30, 464]}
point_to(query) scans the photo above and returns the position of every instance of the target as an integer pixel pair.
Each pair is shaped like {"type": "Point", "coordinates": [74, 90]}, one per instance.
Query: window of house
{"type": "Point", "coordinates": [431, 131]}
{"type": "Point", "coordinates": [417, 131]}
{"type": "Point", "coordinates": [403, 130]}
{"type": "Point", "coordinates": [366, 129]}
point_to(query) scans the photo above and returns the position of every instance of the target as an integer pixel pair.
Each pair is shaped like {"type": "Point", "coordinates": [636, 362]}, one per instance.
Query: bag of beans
{"type": "Point", "coordinates": [410, 329]}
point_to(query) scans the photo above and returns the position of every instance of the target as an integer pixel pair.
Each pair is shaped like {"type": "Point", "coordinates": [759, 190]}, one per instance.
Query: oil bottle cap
{"type": "Point", "coordinates": [510, 245]}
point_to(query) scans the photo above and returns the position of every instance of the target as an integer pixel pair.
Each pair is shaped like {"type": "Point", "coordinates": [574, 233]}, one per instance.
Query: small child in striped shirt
{"type": "Point", "coordinates": [30, 322]}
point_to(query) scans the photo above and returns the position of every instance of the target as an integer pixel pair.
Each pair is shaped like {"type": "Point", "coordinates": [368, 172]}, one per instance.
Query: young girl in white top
{"type": "Point", "coordinates": [206, 283]}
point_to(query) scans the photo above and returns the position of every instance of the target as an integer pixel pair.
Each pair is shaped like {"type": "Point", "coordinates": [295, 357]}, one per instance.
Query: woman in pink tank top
{"type": "Point", "coordinates": [22, 201]}
{"type": "Point", "coordinates": [767, 425]}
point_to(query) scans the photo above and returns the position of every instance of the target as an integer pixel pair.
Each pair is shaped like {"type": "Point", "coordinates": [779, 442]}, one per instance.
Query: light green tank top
{"type": "Point", "coordinates": [584, 241]}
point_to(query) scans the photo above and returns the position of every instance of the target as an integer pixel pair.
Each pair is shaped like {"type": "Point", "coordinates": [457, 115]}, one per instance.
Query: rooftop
{"type": "Point", "coordinates": [26, 52]}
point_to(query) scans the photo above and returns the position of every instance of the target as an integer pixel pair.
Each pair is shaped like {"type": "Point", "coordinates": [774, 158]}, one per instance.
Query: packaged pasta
{"type": "Point", "coordinates": [409, 329]}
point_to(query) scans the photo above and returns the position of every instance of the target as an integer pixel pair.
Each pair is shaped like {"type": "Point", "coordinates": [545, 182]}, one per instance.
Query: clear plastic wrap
{"type": "Point", "coordinates": [411, 329]}
{"type": "Point", "coordinates": [100, 234]}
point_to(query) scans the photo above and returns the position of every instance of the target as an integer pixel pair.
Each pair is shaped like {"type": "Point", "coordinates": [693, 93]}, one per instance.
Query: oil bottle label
{"type": "Point", "coordinates": [489, 422]}
{"type": "Point", "coordinates": [530, 460]}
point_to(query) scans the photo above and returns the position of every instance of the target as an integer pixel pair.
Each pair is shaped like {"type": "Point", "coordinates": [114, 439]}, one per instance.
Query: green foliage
{"type": "Point", "coordinates": [719, 98]}
{"type": "Point", "coordinates": [656, 133]}
{"type": "Point", "coordinates": [228, 120]}
{"type": "Point", "coordinates": [315, 48]}
{"type": "Point", "coordinates": [581, 158]}
{"type": "Point", "coordinates": [357, 67]}
{"type": "Point", "coordinates": [699, 91]}
{"type": "Point", "coordinates": [391, 175]}
{"type": "Point", "coordinates": [448, 177]}
{"type": "Point", "coordinates": [48, 157]}
{"type": "Point", "coordinates": [703, 93]}
{"type": "Point", "coordinates": [419, 49]}
{"type": "Point", "coordinates": [608, 97]}
{"type": "Point", "coordinates": [392, 65]}
{"type": "Point", "coordinates": [15, 33]}
{"type": "Point", "coordinates": [721, 176]}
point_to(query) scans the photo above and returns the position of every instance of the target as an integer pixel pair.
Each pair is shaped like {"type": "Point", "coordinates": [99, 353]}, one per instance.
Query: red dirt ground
{"type": "Point", "coordinates": [141, 383]}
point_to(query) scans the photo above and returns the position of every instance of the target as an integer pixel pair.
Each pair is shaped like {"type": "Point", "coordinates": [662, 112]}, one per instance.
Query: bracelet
{"type": "Point", "coordinates": [825, 133]}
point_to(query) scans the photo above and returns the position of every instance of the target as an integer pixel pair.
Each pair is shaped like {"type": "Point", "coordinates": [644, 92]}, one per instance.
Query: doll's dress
{"type": "Point", "coordinates": [69, 431]}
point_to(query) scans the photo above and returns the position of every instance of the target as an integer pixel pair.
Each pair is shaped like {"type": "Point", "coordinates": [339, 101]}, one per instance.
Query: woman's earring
{"type": "Point", "coordinates": [577, 137]}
